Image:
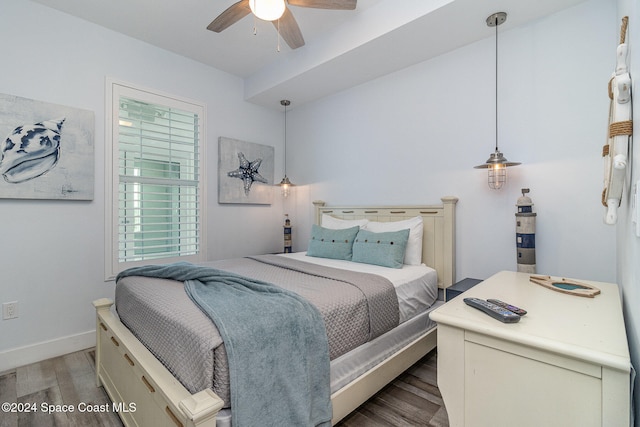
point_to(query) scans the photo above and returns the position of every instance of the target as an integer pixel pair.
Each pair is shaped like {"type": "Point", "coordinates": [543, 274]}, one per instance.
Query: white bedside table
{"type": "Point", "coordinates": [566, 363]}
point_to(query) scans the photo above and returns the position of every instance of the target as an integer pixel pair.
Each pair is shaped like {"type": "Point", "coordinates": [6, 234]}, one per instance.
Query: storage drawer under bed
{"type": "Point", "coordinates": [130, 375]}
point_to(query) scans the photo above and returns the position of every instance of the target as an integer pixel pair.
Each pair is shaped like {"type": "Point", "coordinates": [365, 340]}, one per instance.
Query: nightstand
{"type": "Point", "coordinates": [565, 363]}
{"type": "Point", "coordinates": [459, 287]}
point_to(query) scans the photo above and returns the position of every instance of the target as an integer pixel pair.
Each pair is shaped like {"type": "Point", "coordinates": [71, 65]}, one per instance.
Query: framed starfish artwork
{"type": "Point", "coordinates": [245, 172]}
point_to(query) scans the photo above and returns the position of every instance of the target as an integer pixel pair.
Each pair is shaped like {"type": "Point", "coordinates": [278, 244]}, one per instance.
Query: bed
{"type": "Point", "coordinates": [145, 391]}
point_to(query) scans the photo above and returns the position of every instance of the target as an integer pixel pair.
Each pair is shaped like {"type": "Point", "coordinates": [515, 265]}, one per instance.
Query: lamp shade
{"type": "Point", "coordinates": [496, 159]}
{"type": "Point", "coordinates": [286, 185]}
{"type": "Point", "coordinates": [497, 169]}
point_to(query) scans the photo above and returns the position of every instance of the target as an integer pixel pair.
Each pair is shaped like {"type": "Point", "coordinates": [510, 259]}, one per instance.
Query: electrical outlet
{"type": "Point", "coordinates": [9, 310]}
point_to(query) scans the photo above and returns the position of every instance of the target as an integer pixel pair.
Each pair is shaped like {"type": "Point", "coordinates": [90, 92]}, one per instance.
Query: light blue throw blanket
{"type": "Point", "coordinates": [275, 340]}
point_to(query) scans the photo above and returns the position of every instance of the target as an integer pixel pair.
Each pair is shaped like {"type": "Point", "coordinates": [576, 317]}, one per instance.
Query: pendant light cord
{"type": "Point", "coordinates": [496, 83]}
{"type": "Point", "coordinates": [285, 180]}
{"type": "Point", "coordinates": [285, 139]}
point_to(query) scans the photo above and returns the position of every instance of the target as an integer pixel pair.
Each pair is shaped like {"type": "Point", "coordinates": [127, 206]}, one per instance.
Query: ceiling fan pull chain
{"type": "Point", "coordinates": [255, 27]}
{"type": "Point", "coordinates": [278, 47]}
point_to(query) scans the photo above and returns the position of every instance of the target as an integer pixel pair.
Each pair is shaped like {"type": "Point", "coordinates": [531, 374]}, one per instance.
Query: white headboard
{"type": "Point", "coordinates": [439, 238]}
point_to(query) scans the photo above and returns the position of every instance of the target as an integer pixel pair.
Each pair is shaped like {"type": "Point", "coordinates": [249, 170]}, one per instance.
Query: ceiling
{"type": "Point", "coordinates": [343, 48]}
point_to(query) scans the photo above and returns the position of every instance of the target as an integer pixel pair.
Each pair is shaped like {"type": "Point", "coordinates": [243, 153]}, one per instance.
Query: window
{"type": "Point", "coordinates": [154, 192]}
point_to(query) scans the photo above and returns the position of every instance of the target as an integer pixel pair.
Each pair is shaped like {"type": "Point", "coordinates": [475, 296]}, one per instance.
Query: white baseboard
{"type": "Point", "coordinates": [21, 356]}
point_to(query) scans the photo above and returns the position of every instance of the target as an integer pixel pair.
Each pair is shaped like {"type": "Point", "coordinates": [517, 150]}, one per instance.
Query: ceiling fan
{"type": "Point", "coordinates": [277, 12]}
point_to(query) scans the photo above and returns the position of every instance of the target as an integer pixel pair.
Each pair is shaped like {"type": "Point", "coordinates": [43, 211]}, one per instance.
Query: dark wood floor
{"type": "Point", "coordinates": [411, 400]}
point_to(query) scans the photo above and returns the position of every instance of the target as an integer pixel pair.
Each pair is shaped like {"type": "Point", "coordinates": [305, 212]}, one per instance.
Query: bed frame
{"type": "Point", "coordinates": [145, 393]}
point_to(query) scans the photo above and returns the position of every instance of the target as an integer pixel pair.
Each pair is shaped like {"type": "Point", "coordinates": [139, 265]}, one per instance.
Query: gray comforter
{"type": "Point", "coordinates": [355, 307]}
{"type": "Point", "coordinates": [286, 339]}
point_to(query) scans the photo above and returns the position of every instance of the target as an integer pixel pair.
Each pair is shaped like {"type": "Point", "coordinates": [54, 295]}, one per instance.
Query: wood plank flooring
{"type": "Point", "coordinates": [64, 380]}
{"type": "Point", "coordinates": [412, 399]}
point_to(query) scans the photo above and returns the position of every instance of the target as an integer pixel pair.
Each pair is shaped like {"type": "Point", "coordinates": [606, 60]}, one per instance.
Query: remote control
{"type": "Point", "coordinates": [516, 310]}
{"type": "Point", "coordinates": [497, 312]}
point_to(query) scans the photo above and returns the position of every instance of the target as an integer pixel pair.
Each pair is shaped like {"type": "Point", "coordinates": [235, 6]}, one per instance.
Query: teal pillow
{"type": "Point", "coordinates": [385, 249]}
{"type": "Point", "coordinates": [328, 243]}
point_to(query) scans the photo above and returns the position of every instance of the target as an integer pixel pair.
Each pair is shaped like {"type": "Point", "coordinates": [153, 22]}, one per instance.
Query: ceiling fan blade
{"type": "Point", "coordinates": [233, 14]}
{"type": "Point", "coordinates": [325, 4]}
{"type": "Point", "coordinates": [289, 30]}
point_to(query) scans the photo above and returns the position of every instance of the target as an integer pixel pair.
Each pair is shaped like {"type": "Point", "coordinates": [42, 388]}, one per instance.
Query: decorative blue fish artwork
{"type": "Point", "coordinates": [30, 151]}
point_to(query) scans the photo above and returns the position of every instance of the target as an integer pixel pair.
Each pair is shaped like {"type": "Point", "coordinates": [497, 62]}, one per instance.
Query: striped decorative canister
{"type": "Point", "coordinates": [526, 234]}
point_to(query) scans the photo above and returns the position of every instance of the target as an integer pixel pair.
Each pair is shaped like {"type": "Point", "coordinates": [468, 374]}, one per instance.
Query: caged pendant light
{"type": "Point", "coordinates": [496, 163]}
{"type": "Point", "coordinates": [285, 184]}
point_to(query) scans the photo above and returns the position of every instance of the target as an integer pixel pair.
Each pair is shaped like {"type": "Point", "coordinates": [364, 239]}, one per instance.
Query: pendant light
{"type": "Point", "coordinates": [267, 10]}
{"type": "Point", "coordinates": [496, 163]}
{"type": "Point", "coordinates": [285, 184]}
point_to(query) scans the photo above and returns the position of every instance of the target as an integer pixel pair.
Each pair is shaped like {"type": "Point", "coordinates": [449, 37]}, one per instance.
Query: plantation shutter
{"type": "Point", "coordinates": [159, 198]}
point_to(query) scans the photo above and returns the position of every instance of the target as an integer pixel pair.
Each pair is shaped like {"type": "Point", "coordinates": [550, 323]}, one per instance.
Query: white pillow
{"type": "Point", "coordinates": [334, 223]}
{"type": "Point", "coordinates": [413, 254]}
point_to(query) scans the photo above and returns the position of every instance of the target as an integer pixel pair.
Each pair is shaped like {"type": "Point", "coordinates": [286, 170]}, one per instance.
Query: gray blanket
{"type": "Point", "coordinates": [377, 293]}
{"type": "Point", "coordinates": [247, 312]}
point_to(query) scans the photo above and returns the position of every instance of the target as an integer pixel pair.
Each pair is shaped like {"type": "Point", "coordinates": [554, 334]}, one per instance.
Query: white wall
{"type": "Point", "coordinates": [414, 136]}
{"type": "Point", "coordinates": [628, 244]}
{"type": "Point", "coordinates": [52, 252]}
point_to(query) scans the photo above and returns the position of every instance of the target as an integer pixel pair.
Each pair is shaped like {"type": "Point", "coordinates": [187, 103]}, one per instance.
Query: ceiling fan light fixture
{"type": "Point", "coordinates": [278, 12]}
{"type": "Point", "coordinates": [267, 10]}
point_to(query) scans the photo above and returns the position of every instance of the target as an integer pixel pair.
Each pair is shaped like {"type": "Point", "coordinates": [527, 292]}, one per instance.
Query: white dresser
{"type": "Point", "coordinates": [566, 363]}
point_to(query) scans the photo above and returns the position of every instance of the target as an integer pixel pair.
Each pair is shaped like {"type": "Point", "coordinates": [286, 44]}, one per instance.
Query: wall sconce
{"type": "Point", "coordinates": [496, 163]}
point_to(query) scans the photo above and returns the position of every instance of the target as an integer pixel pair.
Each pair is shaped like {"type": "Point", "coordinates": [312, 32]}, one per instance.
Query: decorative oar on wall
{"type": "Point", "coordinates": [615, 152]}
